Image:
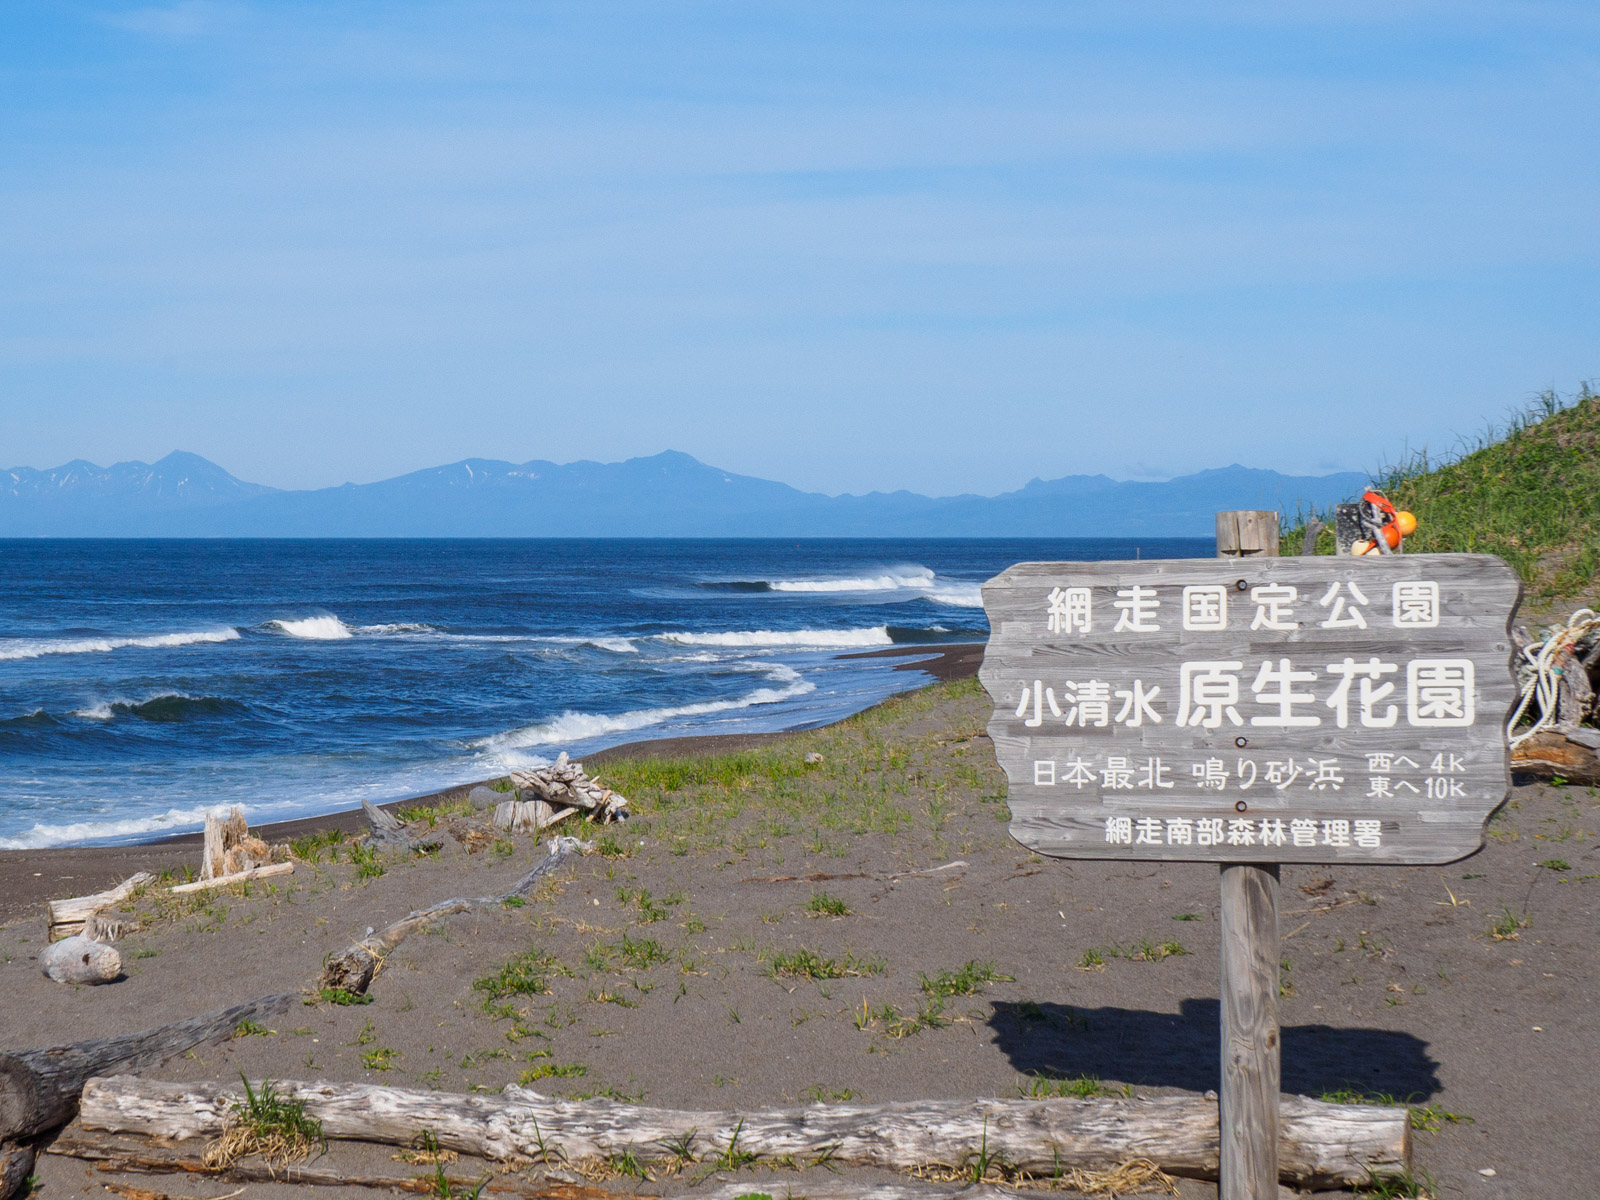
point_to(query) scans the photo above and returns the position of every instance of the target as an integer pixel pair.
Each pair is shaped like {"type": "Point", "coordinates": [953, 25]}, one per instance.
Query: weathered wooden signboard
{"type": "Point", "coordinates": [1255, 710]}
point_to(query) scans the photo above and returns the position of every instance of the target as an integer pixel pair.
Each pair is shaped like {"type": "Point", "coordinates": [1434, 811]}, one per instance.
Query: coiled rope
{"type": "Point", "coordinates": [1543, 677]}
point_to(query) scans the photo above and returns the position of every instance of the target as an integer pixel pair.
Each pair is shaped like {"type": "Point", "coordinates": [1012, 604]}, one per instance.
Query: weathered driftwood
{"type": "Point", "coordinates": [124, 1161]}
{"type": "Point", "coordinates": [269, 871]}
{"type": "Point", "coordinates": [352, 969]}
{"type": "Point", "coordinates": [228, 847]}
{"type": "Point", "coordinates": [16, 1165]}
{"type": "Point", "coordinates": [1565, 752]}
{"type": "Point", "coordinates": [565, 785]}
{"type": "Point", "coordinates": [39, 1088]}
{"type": "Point", "coordinates": [67, 917]}
{"type": "Point", "coordinates": [1319, 1144]}
{"type": "Point", "coordinates": [77, 959]}
{"type": "Point", "coordinates": [841, 1189]}
{"type": "Point", "coordinates": [528, 816]}
{"type": "Point", "coordinates": [389, 832]}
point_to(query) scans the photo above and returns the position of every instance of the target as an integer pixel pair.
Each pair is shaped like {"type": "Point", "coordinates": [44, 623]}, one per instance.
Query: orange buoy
{"type": "Point", "coordinates": [1391, 534]}
{"type": "Point", "coordinates": [1407, 523]}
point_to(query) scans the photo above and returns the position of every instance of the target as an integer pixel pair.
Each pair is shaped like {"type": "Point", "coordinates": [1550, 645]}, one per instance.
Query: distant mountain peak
{"type": "Point", "coordinates": [670, 494]}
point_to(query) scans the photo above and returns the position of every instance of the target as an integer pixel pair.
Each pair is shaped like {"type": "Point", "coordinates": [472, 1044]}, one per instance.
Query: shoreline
{"type": "Point", "coordinates": [28, 878]}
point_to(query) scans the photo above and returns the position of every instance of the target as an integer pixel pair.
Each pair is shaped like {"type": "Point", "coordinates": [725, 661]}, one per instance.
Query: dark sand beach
{"type": "Point", "coordinates": [1411, 982]}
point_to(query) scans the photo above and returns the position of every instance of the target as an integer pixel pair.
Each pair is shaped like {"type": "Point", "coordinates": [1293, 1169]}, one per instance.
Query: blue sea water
{"type": "Point", "coordinates": [143, 682]}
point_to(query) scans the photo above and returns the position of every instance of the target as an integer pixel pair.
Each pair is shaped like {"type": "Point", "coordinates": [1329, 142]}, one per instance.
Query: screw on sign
{"type": "Point", "coordinates": [1252, 712]}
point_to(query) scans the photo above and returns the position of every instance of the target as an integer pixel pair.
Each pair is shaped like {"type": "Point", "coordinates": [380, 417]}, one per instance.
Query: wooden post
{"type": "Point", "coordinates": [1251, 1047]}
{"type": "Point", "coordinates": [1248, 533]}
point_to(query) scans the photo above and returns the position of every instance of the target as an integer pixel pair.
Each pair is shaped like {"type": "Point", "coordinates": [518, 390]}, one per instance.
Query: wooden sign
{"type": "Point", "coordinates": [1261, 710]}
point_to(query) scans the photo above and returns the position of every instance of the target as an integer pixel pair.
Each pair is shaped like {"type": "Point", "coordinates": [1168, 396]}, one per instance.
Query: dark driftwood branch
{"type": "Point", "coordinates": [16, 1165]}
{"type": "Point", "coordinates": [352, 969]}
{"type": "Point", "coordinates": [112, 1158]}
{"type": "Point", "coordinates": [39, 1088]}
{"type": "Point", "coordinates": [1319, 1144]}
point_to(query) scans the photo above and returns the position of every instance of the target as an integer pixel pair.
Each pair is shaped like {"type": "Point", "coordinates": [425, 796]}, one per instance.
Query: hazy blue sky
{"type": "Point", "coordinates": [850, 246]}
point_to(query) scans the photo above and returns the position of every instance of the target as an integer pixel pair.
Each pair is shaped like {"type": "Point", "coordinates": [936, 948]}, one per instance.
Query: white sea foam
{"type": "Point", "coordinates": [402, 627]}
{"type": "Point", "coordinates": [317, 629]}
{"type": "Point", "coordinates": [617, 645]}
{"type": "Point", "coordinates": [16, 648]}
{"type": "Point", "coordinates": [78, 832]}
{"type": "Point", "coordinates": [892, 579]}
{"type": "Point", "coordinates": [958, 595]}
{"type": "Point", "coordinates": [819, 638]}
{"type": "Point", "coordinates": [578, 726]}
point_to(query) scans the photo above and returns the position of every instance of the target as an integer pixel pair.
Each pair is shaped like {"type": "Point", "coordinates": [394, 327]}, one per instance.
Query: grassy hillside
{"type": "Point", "coordinates": [1529, 493]}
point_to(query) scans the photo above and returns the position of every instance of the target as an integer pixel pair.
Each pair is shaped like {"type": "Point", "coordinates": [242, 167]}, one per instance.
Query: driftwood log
{"type": "Point", "coordinates": [1320, 1145]}
{"type": "Point", "coordinates": [16, 1165]}
{"type": "Point", "coordinates": [68, 917]}
{"type": "Point", "coordinates": [352, 970]}
{"type": "Point", "coordinates": [272, 870]}
{"type": "Point", "coordinates": [80, 960]}
{"type": "Point", "coordinates": [565, 784]}
{"type": "Point", "coordinates": [390, 833]}
{"type": "Point", "coordinates": [1566, 752]}
{"type": "Point", "coordinates": [228, 847]}
{"type": "Point", "coordinates": [528, 816]}
{"type": "Point", "coordinates": [39, 1088]}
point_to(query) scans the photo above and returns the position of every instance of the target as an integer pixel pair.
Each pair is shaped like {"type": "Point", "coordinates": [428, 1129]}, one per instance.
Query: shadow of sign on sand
{"type": "Point", "coordinates": [1149, 1049]}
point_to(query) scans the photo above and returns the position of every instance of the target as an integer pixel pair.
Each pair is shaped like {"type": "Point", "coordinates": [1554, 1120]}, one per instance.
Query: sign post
{"type": "Point", "coordinates": [1252, 1050]}
{"type": "Point", "coordinates": [1249, 711]}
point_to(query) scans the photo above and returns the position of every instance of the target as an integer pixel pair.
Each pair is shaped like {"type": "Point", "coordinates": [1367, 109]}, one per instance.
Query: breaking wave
{"type": "Point", "coordinates": [578, 726]}
{"type": "Point", "coordinates": [317, 629]}
{"type": "Point", "coordinates": [332, 629]}
{"type": "Point", "coordinates": [79, 832]}
{"type": "Point", "coordinates": [18, 648]}
{"type": "Point", "coordinates": [800, 638]}
{"type": "Point", "coordinates": [889, 579]}
{"type": "Point", "coordinates": [162, 707]}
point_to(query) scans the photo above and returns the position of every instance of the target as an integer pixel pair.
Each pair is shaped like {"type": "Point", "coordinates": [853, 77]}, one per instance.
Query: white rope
{"type": "Point", "coordinates": [1544, 677]}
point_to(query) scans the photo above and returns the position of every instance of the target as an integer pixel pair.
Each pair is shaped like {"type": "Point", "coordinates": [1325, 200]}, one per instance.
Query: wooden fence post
{"type": "Point", "coordinates": [1251, 1047]}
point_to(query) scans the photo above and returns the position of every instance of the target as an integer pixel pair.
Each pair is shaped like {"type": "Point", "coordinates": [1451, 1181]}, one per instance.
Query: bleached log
{"type": "Point", "coordinates": [222, 834]}
{"type": "Point", "coordinates": [1320, 1145]}
{"type": "Point", "coordinates": [39, 1088]}
{"type": "Point", "coordinates": [352, 970]}
{"type": "Point", "coordinates": [220, 881]}
{"type": "Point", "coordinates": [78, 960]}
{"type": "Point", "coordinates": [67, 917]}
{"type": "Point", "coordinates": [527, 816]}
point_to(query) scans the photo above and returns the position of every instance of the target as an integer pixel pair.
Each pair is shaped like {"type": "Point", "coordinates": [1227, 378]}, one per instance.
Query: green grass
{"type": "Point", "coordinates": [552, 1071]}
{"type": "Point", "coordinates": [806, 963]}
{"type": "Point", "coordinates": [824, 905]}
{"type": "Point", "coordinates": [368, 863]}
{"type": "Point", "coordinates": [433, 813]}
{"type": "Point", "coordinates": [1075, 1087]}
{"type": "Point", "coordinates": [526, 974]}
{"type": "Point", "coordinates": [968, 981]}
{"type": "Point", "coordinates": [1524, 492]}
{"type": "Point", "coordinates": [1144, 950]}
{"type": "Point", "coordinates": [277, 1126]}
{"type": "Point", "coordinates": [339, 996]}
{"type": "Point", "coordinates": [309, 848]}
{"type": "Point", "coordinates": [874, 780]}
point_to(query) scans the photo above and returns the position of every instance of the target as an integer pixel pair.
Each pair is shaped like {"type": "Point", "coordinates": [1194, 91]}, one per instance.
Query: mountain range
{"type": "Point", "coordinates": [665, 495]}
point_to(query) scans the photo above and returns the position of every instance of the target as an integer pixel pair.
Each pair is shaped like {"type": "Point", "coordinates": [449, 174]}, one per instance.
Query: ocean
{"type": "Point", "coordinates": [144, 682]}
